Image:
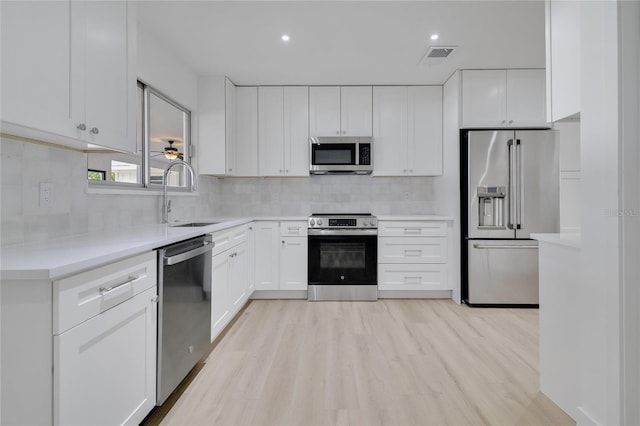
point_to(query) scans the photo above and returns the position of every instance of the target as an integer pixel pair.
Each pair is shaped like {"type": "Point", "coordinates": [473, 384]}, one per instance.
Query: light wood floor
{"type": "Point", "coordinates": [393, 362]}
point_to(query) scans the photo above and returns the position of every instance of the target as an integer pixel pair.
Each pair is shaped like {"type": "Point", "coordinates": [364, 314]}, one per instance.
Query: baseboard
{"type": "Point", "coordinates": [279, 294]}
{"type": "Point", "coordinates": [415, 294]}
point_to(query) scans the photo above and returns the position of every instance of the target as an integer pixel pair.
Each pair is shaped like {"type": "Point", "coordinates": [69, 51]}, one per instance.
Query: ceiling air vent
{"type": "Point", "coordinates": [436, 55]}
{"type": "Point", "coordinates": [439, 52]}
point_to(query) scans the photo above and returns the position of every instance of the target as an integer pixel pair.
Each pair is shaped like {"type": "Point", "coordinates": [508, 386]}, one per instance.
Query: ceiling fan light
{"type": "Point", "coordinates": [170, 153]}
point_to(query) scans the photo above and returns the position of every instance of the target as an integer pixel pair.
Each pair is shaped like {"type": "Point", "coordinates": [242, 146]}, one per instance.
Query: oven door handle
{"type": "Point", "coordinates": [343, 232]}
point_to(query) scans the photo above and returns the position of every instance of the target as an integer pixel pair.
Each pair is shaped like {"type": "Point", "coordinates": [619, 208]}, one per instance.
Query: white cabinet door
{"type": "Point", "coordinates": [108, 31]}
{"type": "Point", "coordinates": [293, 263]}
{"type": "Point", "coordinates": [267, 255]}
{"type": "Point", "coordinates": [526, 100]}
{"type": "Point", "coordinates": [424, 135]}
{"type": "Point", "coordinates": [484, 99]}
{"type": "Point", "coordinates": [246, 131]}
{"type": "Point", "coordinates": [238, 276]}
{"type": "Point", "coordinates": [105, 368]}
{"type": "Point", "coordinates": [356, 110]}
{"type": "Point", "coordinates": [230, 126]}
{"type": "Point", "coordinates": [324, 111]}
{"type": "Point", "coordinates": [216, 106]}
{"type": "Point", "coordinates": [72, 77]}
{"type": "Point", "coordinates": [407, 130]}
{"type": "Point", "coordinates": [296, 131]}
{"type": "Point", "coordinates": [219, 293]}
{"type": "Point", "coordinates": [390, 130]}
{"type": "Point", "coordinates": [563, 58]}
{"type": "Point", "coordinates": [36, 88]}
{"type": "Point", "coordinates": [271, 131]}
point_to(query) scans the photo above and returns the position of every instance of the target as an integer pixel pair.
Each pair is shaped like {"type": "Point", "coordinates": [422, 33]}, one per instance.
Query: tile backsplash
{"type": "Point", "coordinates": [76, 210]}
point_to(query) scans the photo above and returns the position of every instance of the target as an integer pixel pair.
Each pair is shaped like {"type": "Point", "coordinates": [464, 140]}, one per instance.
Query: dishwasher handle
{"type": "Point", "coordinates": [181, 257]}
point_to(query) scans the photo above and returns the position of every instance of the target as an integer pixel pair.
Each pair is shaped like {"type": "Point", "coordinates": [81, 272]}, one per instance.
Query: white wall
{"type": "Point", "coordinates": [629, 37]}
{"type": "Point", "coordinates": [164, 70]}
{"type": "Point", "coordinates": [451, 179]}
{"type": "Point", "coordinates": [599, 300]}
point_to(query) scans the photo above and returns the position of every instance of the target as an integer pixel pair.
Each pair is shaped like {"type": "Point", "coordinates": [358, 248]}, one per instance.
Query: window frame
{"type": "Point", "coordinates": [145, 157]}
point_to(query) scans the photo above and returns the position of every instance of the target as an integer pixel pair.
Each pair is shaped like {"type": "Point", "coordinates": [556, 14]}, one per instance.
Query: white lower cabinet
{"type": "Point", "coordinates": [229, 276]}
{"type": "Point", "coordinates": [105, 368]}
{"type": "Point", "coordinates": [412, 255]}
{"type": "Point", "coordinates": [104, 344]}
{"type": "Point", "coordinates": [281, 255]}
{"type": "Point", "coordinates": [293, 263]}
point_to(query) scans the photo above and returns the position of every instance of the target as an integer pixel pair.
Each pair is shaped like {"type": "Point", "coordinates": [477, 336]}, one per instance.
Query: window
{"type": "Point", "coordinates": [163, 135]}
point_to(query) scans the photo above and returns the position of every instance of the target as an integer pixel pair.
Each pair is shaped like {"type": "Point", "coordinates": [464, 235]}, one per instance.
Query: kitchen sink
{"type": "Point", "coordinates": [195, 224]}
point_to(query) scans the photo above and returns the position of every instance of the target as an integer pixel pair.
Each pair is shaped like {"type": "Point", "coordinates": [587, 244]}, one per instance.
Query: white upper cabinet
{"type": "Point", "coordinates": [72, 78]}
{"type": "Point", "coordinates": [407, 130]}
{"type": "Point", "coordinates": [217, 126]}
{"type": "Point", "coordinates": [246, 131]}
{"type": "Point", "coordinates": [562, 22]}
{"type": "Point", "coordinates": [283, 131]}
{"type": "Point", "coordinates": [503, 98]}
{"type": "Point", "coordinates": [340, 111]}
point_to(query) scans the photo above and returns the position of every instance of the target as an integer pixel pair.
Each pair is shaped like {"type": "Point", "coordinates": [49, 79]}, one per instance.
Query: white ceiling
{"type": "Point", "coordinates": [346, 42]}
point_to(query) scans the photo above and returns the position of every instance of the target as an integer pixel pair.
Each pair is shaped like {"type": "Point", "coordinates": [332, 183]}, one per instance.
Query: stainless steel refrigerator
{"type": "Point", "coordinates": [510, 189]}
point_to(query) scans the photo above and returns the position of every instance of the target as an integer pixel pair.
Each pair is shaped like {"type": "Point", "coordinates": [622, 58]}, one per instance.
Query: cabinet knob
{"type": "Point", "coordinates": [337, 132]}
{"type": "Point", "coordinates": [344, 132]}
{"type": "Point", "coordinates": [286, 171]}
{"type": "Point", "coordinates": [510, 121]}
{"type": "Point", "coordinates": [94, 130]}
{"type": "Point", "coordinates": [81, 126]}
{"type": "Point", "coordinates": [230, 170]}
{"type": "Point", "coordinates": [504, 121]}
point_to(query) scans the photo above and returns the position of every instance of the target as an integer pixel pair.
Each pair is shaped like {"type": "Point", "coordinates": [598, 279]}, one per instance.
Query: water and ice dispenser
{"type": "Point", "coordinates": [491, 206]}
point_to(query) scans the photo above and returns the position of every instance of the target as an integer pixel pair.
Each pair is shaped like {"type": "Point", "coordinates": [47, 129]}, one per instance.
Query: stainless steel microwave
{"type": "Point", "coordinates": [340, 155]}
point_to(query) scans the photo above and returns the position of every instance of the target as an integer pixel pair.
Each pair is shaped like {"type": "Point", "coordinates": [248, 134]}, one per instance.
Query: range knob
{"type": "Point", "coordinates": [312, 222]}
{"type": "Point", "coordinates": [319, 222]}
{"type": "Point", "coordinates": [365, 223]}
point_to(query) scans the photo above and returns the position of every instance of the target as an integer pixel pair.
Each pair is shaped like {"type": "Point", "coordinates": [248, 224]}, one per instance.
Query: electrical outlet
{"type": "Point", "coordinates": [46, 194]}
{"type": "Point", "coordinates": [406, 196]}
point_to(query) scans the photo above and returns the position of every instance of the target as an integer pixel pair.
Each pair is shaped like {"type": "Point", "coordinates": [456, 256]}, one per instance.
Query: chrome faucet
{"type": "Point", "coordinates": [166, 206]}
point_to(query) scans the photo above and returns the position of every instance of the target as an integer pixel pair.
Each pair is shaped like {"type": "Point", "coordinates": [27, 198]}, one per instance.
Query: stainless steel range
{"type": "Point", "coordinates": [343, 257]}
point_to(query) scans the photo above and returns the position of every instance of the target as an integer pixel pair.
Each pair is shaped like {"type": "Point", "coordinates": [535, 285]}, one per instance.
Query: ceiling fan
{"type": "Point", "coordinates": [170, 152]}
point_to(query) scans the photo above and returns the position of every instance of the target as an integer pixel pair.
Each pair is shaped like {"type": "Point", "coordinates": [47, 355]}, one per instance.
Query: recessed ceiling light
{"type": "Point", "coordinates": [434, 36]}
{"type": "Point", "coordinates": [285, 37]}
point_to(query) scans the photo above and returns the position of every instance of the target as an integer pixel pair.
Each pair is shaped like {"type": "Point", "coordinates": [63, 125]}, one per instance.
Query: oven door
{"type": "Point", "coordinates": [346, 257]}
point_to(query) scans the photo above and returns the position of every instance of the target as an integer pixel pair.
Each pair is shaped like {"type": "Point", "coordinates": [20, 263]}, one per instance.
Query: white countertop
{"type": "Point", "coordinates": [414, 217]}
{"type": "Point", "coordinates": [568, 240]}
{"type": "Point", "coordinates": [59, 257]}
{"type": "Point", "coordinates": [56, 258]}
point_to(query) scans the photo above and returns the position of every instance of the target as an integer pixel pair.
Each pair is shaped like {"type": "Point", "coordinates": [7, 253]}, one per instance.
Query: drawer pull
{"type": "Point", "coordinates": [410, 280]}
{"type": "Point", "coordinates": [294, 230]}
{"type": "Point", "coordinates": [105, 290]}
{"type": "Point", "coordinates": [416, 253]}
{"type": "Point", "coordinates": [412, 231]}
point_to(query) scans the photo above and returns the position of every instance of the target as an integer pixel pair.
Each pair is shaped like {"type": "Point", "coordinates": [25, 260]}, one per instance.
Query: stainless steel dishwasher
{"type": "Point", "coordinates": [184, 310]}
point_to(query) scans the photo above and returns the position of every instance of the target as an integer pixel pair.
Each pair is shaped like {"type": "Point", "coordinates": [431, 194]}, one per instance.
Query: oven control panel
{"type": "Point", "coordinates": [352, 222]}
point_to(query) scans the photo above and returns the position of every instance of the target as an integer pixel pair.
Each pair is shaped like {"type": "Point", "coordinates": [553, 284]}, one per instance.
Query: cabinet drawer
{"type": "Point", "coordinates": [412, 250]}
{"type": "Point", "coordinates": [85, 295]}
{"type": "Point", "coordinates": [412, 277]}
{"type": "Point", "coordinates": [228, 238]}
{"type": "Point", "coordinates": [297, 228]}
{"type": "Point", "coordinates": [412, 229]}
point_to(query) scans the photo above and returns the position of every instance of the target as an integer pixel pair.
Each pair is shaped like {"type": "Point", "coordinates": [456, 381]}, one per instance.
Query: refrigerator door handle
{"type": "Point", "coordinates": [511, 206]}
{"type": "Point", "coordinates": [504, 246]}
{"type": "Point", "coordinates": [519, 186]}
